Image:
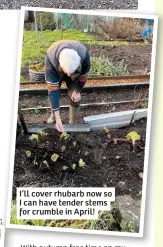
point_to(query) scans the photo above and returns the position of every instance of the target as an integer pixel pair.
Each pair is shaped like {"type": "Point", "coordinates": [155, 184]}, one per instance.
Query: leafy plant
{"type": "Point", "coordinates": [28, 153]}
{"type": "Point", "coordinates": [37, 67]}
{"type": "Point", "coordinates": [42, 133]}
{"type": "Point", "coordinates": [37, 222]}
{"type": "Point", "coordinates": [73, 166]}
{"type": "Point", "coordinates": [133, 136]}
{"type": "Point", "coordinates": [74, 143]}
{"type": "Point", "coordinates": [102, 66]}
{"type": "Point", "coordinates": [106, 130]}
{"type": "Point", "coordinates": [128, 226]}
{"type": "Point", "coordinates": [34, 137]}
{"type": "Point", "coordinates": [64, 136]}
{"type": "Point", "coordinates": [13, 219]}
{"type": "Point", "coordinates": [46, 163]}
{"type": "Point", "coordinates": [81, 163]}
{"type": "Point", "coordinates": [54, 157]}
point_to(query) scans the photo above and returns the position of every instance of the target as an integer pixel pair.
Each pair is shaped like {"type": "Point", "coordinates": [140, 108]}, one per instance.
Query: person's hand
{"type": "Point", "coordinates": [59, 125]}
{"type": "Point", "coordinates": [76, 97]}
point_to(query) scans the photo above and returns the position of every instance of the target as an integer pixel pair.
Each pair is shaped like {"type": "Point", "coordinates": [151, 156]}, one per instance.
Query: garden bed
{"type": "Point", "coordinates": [89, 83]}
{"type": "Point", "coordinates": [41, 116]}
{"type": "Point", "coordinates": [106, 164]}
{"type": "Point", "coordinates": [137, 57]}
{"type": "Point", "coordinates": [105, 95]}
{"type": "Point", "coordinates": [109, 96]}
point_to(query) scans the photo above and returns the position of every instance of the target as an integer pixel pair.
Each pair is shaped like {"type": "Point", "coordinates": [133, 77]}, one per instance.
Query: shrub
{"type": "Point", "coordinates": [119, 28]}
{"type": "Point", "coordinates": [101, 66]}
{"type": "Point", "coordinates": [46, 20]}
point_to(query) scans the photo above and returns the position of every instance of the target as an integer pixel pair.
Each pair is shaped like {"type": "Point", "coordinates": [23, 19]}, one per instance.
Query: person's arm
{"type": "Point", "coordinates": [84, 73]}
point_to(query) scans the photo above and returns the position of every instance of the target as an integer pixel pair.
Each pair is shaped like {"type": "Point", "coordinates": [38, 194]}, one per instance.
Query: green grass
{"type": "Point", "coordinates": [105, 222]}
{"type": "Point", "coordinates": [30, 36]}
{"type": "Point", "coordinates": [112, 43]}
{"type": "Point", "coordinates": [34, 52]}
{"type": "Point", "coordinates": [128, 226]}
{"type": "Point", "coordinates": [13, 219]}
{"type": "Point", "coordinates": [23, 78]}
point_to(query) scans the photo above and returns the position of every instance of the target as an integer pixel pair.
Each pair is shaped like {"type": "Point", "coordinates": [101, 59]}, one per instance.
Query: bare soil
{"type": "Point", "coordinates": [41, 116]}
{"type": "Point", "coordinates": [106, 95]}
{"type": "Point", "coordinates": [107, 164]}
{"type": "Point", "coordinates": [137, 57]}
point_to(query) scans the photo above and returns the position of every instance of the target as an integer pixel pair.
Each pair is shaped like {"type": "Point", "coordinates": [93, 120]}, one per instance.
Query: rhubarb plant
{"type": "Point", "coordinates": [34, 137]}
{"type": "Point", "coordinates": [133, 136]}
{"type": "Point", "coordinates": [42, 133]}
{"type": "Point", "coordinates": [73, 166]}
{"type": "Point", "coordinates": [81, 163]}
{"type": "Point", "coordinates": [106, 130]}
{"type": "Point", "coordinates": [54, 157]}
{"type": "Point", "coordinates": [28, 153]}
{"type": "Point", "coordinates": [64, 136]}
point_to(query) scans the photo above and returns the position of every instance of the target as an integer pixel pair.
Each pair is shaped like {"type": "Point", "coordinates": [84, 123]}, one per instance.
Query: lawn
{"type": "Point", "coordinates": [34, 52]}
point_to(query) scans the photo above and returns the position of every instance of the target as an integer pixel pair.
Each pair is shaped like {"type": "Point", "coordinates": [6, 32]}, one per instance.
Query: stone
{"type": "Point", "coordinates": [129, 210]}
{"type": "Point", "coordinates": [141, 175]}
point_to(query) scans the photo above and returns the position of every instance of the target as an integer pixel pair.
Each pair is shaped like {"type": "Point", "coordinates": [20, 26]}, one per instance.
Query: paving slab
{"type": "Point", "coordinates": [129, 210]}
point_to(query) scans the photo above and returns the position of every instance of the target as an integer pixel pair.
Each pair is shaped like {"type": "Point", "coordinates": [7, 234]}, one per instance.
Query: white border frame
{"type": "Point", "coordinates": [148, 129]}
{"type": "Point", "coordinates": [2, 235]}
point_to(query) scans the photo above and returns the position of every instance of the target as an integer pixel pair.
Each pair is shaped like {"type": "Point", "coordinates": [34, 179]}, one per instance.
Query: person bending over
{"type": "Point", "coordinates": [68, 61]}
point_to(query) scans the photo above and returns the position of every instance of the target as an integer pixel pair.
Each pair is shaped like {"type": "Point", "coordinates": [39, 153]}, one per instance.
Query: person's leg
{"type": "Point", "coordinates": [50, 77]}
{"type": "Point", "coordinates": [73, 111]}
{"type": "Point", "coordinates": [74, 106]}
{"type": "Point", "coordinates": [51, 119]}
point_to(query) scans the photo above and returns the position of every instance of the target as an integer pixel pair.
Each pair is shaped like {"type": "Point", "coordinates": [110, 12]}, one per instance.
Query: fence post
{"type": "Point", "coordinates": [36, 27]}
